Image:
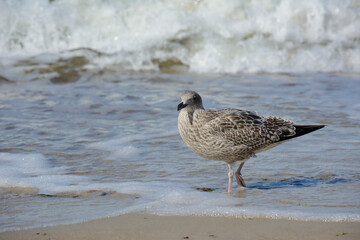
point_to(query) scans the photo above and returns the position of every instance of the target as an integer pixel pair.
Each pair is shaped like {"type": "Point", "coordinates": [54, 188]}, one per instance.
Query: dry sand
{"type": "Point", "coordinates": [144, 226]}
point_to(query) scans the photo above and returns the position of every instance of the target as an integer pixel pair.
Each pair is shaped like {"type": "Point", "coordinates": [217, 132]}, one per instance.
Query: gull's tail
{"type": "Point", "coordinates": [302, 130]}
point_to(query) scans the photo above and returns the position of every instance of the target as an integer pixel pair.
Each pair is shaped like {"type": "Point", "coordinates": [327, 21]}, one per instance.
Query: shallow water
{"type": "Point", "coordinates": [78, 151]}
{"type": "Point", "coordinates": [89, 122]}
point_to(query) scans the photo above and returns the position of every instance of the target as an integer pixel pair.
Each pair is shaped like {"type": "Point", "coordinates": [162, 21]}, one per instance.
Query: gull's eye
{"type": "Point", "coordinates": [194, 98]}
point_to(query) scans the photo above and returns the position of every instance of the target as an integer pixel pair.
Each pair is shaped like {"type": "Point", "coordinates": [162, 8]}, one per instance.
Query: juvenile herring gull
{"type": "Point", "coordinates": [232, 135]}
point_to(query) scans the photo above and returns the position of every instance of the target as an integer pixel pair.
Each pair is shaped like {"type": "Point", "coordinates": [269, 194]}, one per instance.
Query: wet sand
{"type": "Point", "coordinates": [144, 226]}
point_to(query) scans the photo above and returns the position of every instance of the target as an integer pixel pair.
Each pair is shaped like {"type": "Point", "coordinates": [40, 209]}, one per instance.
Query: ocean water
{"type": "Point", "coordinates": [88, 96]}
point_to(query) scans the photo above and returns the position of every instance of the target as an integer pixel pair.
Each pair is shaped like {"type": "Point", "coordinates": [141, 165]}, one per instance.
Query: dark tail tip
{"type": "Point", "coordinates": [302, 130]}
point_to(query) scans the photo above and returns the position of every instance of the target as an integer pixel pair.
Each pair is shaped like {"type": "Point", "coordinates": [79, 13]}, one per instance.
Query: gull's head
{"type": "Point", "coordinates": [190, 101]}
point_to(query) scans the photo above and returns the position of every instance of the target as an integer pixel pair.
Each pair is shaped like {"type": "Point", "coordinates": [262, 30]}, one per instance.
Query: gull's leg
{"type": "Point", "coordinates": [231, 174]}
{"type": "Point", "coordinates": [240, 181]}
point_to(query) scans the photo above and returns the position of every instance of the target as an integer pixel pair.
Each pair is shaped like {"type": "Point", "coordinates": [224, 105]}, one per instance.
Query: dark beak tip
{"type": "Point", "coordinates": [181, 106]}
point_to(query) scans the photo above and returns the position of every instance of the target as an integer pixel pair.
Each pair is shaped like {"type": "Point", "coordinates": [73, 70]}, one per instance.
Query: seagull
{"type": "Point", "coordinates": [232, 135]}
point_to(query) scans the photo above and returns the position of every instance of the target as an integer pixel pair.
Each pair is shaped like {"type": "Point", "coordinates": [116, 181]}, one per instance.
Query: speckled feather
{"type": "Point", "coordinates": [230, 135]}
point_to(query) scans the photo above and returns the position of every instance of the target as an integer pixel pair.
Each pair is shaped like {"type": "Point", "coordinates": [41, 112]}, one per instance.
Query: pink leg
{"type": "Point", "coordinates": [231, 174]}
{"type": "Point", "coordinates": [240, 181]}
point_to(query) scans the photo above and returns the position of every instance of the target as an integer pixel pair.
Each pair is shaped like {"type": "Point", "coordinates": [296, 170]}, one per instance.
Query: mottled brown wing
{"type": "Point", "coordinates": [278, 128]}
{"type": "Point", "coordinates": [247, 128]}
{"type": "Point", "coordinates": [237, 126]}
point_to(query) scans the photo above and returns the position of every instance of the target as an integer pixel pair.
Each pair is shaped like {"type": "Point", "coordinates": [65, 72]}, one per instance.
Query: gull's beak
{"type": "Point", "coordinates": [181, 106]}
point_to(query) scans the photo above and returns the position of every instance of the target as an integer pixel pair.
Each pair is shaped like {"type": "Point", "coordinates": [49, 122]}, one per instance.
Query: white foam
{"type": "Point", "coordinates": [33, 171]}
{"type": "Point", "coordinates": [157, 197]}
{"type": "Point", "coordinates": [119, 147]}
{"type": "Point", "coordinates": [127, 146]}
{"type": "Point", "coordinates": [208, 36]}
{"type": "Point", "coordinates": [166, 198]}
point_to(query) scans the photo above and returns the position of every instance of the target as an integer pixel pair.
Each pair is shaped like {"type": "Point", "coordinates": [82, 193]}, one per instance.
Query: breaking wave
{"type": "Point", "coordinates": [198, 36]}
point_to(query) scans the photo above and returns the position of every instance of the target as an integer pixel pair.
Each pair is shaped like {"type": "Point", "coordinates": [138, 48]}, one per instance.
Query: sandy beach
{"type": "Point", "coordinates": [144, 226]}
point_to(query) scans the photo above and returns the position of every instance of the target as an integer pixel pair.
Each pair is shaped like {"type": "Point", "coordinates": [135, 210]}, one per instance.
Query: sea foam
{"type": "Point", "coordinates": [20, 170]}
{"type": "Point", "coordinates": [201, 36]}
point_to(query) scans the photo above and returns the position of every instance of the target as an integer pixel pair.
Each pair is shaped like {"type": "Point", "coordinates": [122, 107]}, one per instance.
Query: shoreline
{"type": "Point", "coordinates": [147, 226]}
